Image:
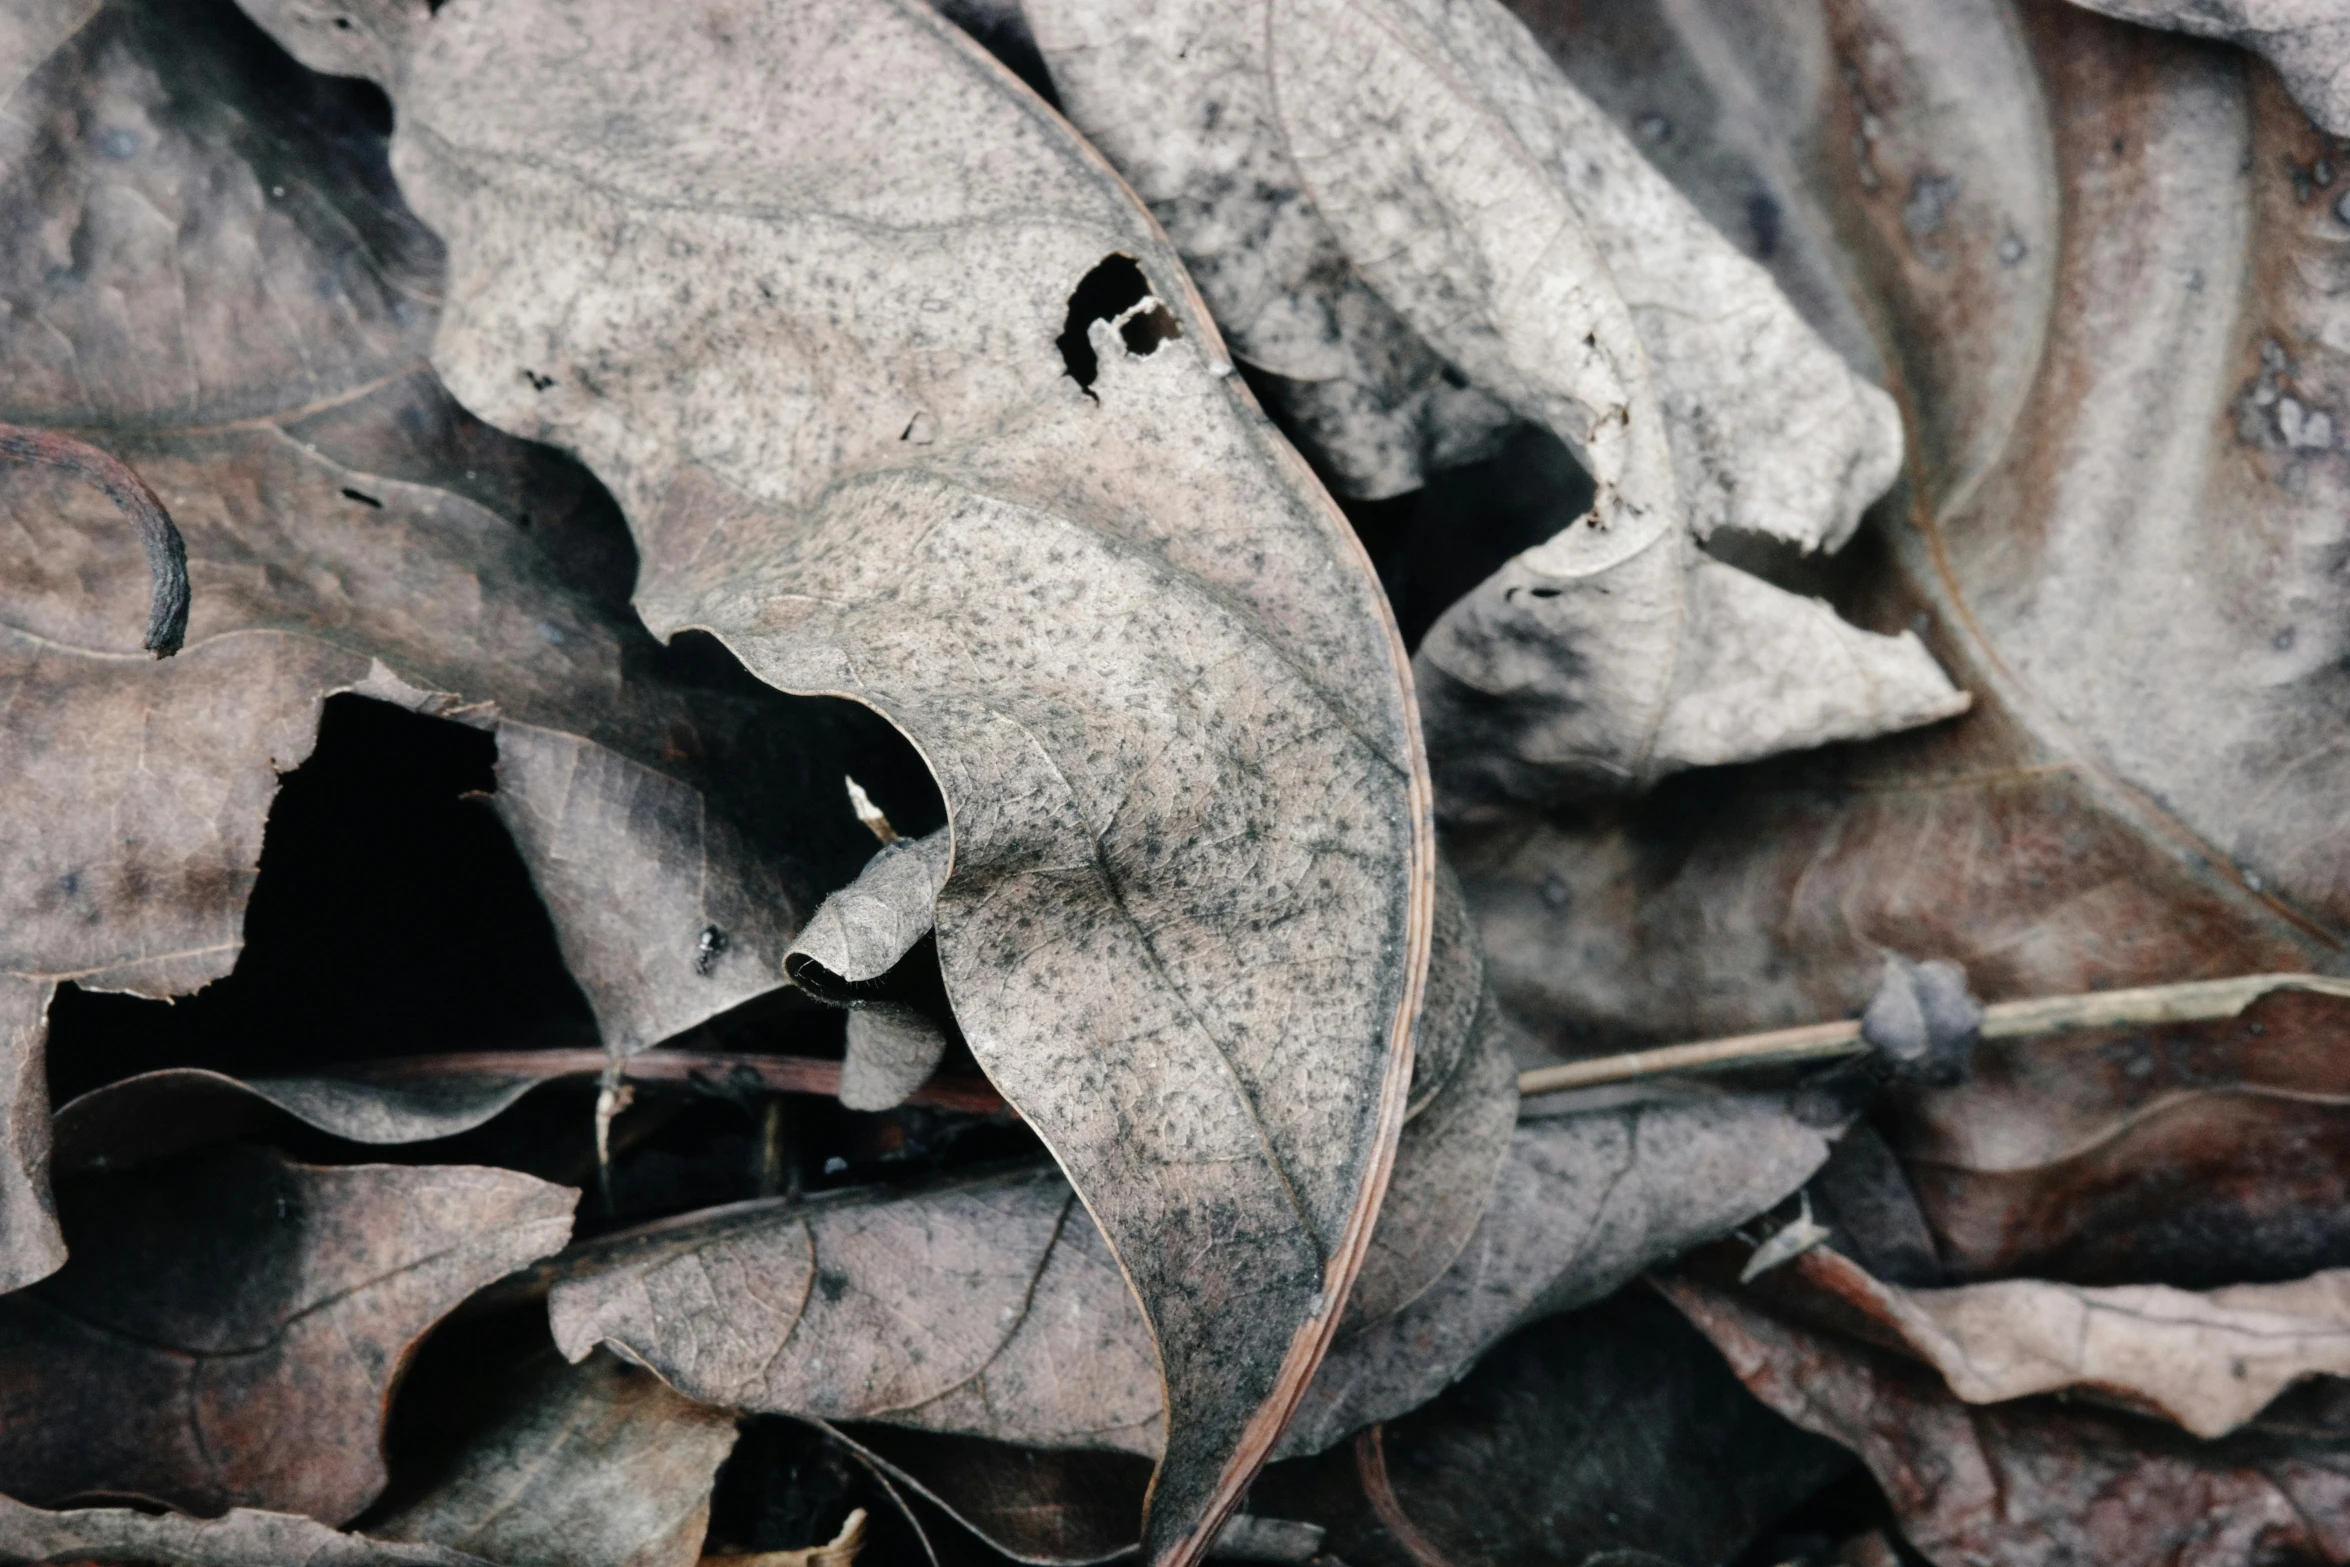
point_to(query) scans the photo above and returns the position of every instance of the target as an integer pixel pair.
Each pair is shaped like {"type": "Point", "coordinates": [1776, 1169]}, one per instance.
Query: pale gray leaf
{"type": "Point", "coordinates": [860, 932]}
{"type": "Point", "coordinates": [892, 1050]}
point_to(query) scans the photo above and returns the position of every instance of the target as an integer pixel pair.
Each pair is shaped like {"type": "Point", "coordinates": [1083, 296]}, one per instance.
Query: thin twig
{"type": "Point", "coordinates": [2191, 1001]}
{"type": "Point", "coordinates": [167, 554]}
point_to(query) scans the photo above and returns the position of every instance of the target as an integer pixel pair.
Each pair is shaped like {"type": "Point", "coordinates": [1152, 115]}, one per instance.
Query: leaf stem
{"type": "Point", "coordinates": [167, 553]}
{"type": "Point", "coordinates": [2186, 1002]}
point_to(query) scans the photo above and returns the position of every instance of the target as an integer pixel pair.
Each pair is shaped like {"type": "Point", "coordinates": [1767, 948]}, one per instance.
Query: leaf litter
{"type": "Point", "coordinates": [1055, 1104]}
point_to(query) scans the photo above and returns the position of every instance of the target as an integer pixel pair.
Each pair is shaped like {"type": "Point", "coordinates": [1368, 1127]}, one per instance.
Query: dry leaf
{"type": "Point", "coordinates": [2036, 1483]}
{"type": "Point", "coordinates": [238, 1538]}
{"type": "Point", "coordinates": [230, 1324]}
{"type": "Point", "coordinates": [595, 1465]}
{"type": "Point", "coordinates": [206, 266]}
{"type": "Point", "coordinates": [1136, 645]}
{"type": "Point", "coordinates": [2208, 1360]}
{"type": "Point", "coordinates": [992, 1308]}
{"type": "Point", "coordinates": [2308, 41]}
{"type": "Point", "coordinates": [2193, 1154]}
{"type": "Point", "coordinates": [1592, 1194]}
{"type": "Point", "coordinates": [1432, 156]}
{"type": "Point", "coordinates": [2111, 538]}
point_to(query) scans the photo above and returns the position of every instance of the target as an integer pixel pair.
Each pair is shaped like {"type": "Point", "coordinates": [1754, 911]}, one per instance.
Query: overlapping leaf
{"type": "Point", "coordinates": [810, 291]}
{"type": "Point", "coordinates": [256, 1313]}
{"type": "Point", "coordinates": [2125, 494]}
{"type": "Point", "coordinates": [2037, 1483]}
{"type": "Point", "coordinates": [2209, 1360]}
{"type": "Point", "coordinates": [1359, 171]}
{"type": "Point", "coordinates": [991, 1308]}
{"type": "Point", "coordinates": [205, 268]}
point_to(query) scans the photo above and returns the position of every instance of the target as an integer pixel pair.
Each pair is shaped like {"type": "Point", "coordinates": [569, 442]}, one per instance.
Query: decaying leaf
{"type": "Point", "coordinates": [2119, 538]}
{"type": "Point", "coordinates": [2208, 1360]}
{"type": "Point", "coordinates": [205, 264]}
{"type": "Point", "coordinates": [2308, 41]}
{"type": "Point", "coordinates": [1428, 159]}
{"type": "Point", "coordinates": [2191, 1154]}
{"type": "Point", "coordinates": [1591, 1195]}
{"type": "Point", "coordinates": [991, 1308]}
{"type": "Point", "coordinates": [254, 1313]}
{"type": "Point", "coordinates": [905, 399]}
{"type": "Point", "coordinates": [594, 1465]}
{"type": "Point", "coordinates": [2036, 1483]}
{"type": "Point", "coordinates": [240, 1537]}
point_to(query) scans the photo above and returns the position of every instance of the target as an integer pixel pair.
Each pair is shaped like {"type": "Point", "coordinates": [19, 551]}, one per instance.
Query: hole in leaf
{"type": "Point", "coordinates": [1110, 292]}
{"type": "Point", "coordinates": [1434, 544]}
{"type": "Point", "coordinates": [392, 916]}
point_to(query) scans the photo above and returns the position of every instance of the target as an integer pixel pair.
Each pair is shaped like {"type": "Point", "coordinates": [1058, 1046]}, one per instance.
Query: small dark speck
{"type": "Point", "coordinates": [832, 1282]}
{"type": "Point", "coordinates": [70, 883]}
{"type": "Point", "coordinates": [538, 382]}
{"type": "Point", "coordinates": [707, 948]}
{"type": "Point", "coordinates": [362, 497]}
{"type": "Point", "coordinates": [2283, 640]}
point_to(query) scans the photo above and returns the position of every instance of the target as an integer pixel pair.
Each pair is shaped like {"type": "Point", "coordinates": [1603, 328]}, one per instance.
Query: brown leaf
{"type": "Point", "coordinates": [2194, 1154]}
{"type": "Point", "coordinates": [2036, 1483]}
{"type": "Point", "coordinates": [207, 264]}
{"type": "Point", "coordinates": [240, 1537]}
{"type": "Point", "coordinates": [2209, 1361]}
{"type": "Point", "coordinates": [594, 1465]}
{"type": "Point", "coordinates": [230, 1324]}
{"type": "Point", "coordinates": [2150, 787]}
{"type": "Point", "coordinates": [1030, 518]}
